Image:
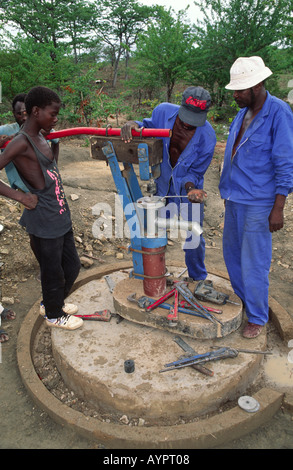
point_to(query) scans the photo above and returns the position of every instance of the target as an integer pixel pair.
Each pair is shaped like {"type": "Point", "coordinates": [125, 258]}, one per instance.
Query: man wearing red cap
{"type": "Point", "coordinates": [186, 157]}
{"type": "Point", "coordinates": [256, 179]}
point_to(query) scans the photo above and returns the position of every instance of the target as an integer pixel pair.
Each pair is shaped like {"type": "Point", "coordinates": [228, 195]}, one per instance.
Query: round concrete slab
{"type": "Point", "coordinates": [91, 362]}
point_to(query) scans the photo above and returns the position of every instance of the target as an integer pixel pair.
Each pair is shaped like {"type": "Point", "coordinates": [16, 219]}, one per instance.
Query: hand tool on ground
{"type": "Point", "coordinates": [204, 370]}
{"type": "Point", "coordinates": [248, 351]}
{"type": "Point", "coordinates": [101, 315]}
{"type": "Point", "coordinates": [187, 311]}
{"type": "Point", "coordinates": [110, 283]}
{"type": "Point", "coordinates": [181, 273]}
{"type": "Point", "coordinates": [183, 303]}
{"type": "Point", "coordinates": [142, 301]}
{"type": "Point", "coordinates": [156, 303]}
{"type": "Point", "coordinates": [205, 291]}
{"type": "Point", "coordinates": [173, 315]}
{"type": "Point", "coordinates": [221, 353]}
{"type": "Point", "coordinates": [189, 297]}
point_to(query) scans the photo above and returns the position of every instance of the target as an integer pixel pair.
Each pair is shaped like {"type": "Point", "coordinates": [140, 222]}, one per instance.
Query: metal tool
{"type": "Point", "coordinates": [173, 315]}
{"type": "Point", "coordinates": [102, 315]}
{"type": "Point", "coordinates": [248, 351]}
{"type": "Point", "coordinates": [221, 353]}
{"type": "Point", "coordinates": [110, 282]}
{"type": "Point", "coordinates": [183, 303]}
{"type": "Point", "coordinates": [182, 272]}
{"type": "Point", "coordinates": [187, 311]}
{"type": "Point", "coordinates": [142, 302]}
{"type": "Point", "coordinates": [189, 297]}
{"type": "Point", "coordinates": [157, 303]}
{"type": "Point", "coordinates": [205, 291]}
{"type": "Point", "coordinates": [191, 351]}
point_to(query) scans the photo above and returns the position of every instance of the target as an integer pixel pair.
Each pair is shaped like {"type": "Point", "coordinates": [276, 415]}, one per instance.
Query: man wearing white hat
{"type": "Point", "coordinates": [256, 179]}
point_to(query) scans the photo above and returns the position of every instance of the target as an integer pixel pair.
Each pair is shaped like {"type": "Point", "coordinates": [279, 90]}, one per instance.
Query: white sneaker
{"type": "Point", "coordinates": [69, 309]}
{"type": "Point", "coordinates": [66, 322]}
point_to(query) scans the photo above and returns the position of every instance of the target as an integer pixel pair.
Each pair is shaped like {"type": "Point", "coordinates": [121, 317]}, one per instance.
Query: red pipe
{"type": "Point", "coordinates": [108, 132]}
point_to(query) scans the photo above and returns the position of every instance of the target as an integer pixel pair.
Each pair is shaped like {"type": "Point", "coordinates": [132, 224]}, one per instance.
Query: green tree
{"type": "Point", "coordinates": [53, 22]}
{"type": "Point", "coordinates": [164, 50]}
{"type": "Point", "coordinates": [234, 28]}
{"type": "Point", "coordinates": [118, 24]}
{"type": "Point", "coordinates": [25, 64]}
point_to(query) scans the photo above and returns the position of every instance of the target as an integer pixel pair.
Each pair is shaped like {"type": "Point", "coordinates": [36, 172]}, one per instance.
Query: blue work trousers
{"type": "Point", "coordinates": [247, 250]}
{"type": "Point", "coordinates": [194, 246]}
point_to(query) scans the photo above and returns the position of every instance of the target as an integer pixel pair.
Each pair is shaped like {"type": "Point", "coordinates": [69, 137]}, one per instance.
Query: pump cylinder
{"type": "Point", "coordinates": [154, 267]}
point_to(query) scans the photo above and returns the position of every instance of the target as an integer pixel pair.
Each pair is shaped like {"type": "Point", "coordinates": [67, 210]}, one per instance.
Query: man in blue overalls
{"type": "Point", "coordinates": [186, 157]}
{"type": "Point", "coordinates": [256, 179]}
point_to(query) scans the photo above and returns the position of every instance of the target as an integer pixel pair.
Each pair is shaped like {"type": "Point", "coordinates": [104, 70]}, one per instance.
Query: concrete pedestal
{"type": "Point", "coordinates": [91, 360]}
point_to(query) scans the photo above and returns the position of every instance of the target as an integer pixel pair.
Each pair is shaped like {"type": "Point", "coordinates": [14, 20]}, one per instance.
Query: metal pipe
{"type": "Point", "coordinates": [181, 224]}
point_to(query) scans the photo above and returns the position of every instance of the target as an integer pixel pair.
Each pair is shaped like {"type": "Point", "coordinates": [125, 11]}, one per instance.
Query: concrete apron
{"type": "Point", "coordinates": [91, 362]}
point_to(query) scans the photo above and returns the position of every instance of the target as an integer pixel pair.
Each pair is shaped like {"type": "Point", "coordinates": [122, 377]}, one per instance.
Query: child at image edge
{"type": "Point", "coordinates": [46, 216]}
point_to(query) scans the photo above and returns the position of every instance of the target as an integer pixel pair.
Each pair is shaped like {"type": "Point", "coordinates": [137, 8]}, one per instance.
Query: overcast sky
{"type": "Point", "coordinates": [193, 11]}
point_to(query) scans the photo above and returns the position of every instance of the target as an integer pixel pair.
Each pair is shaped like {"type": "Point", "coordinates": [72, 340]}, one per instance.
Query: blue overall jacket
{"type": "Point", "coordinates": [263, 162]}
{"type": "Point", "coordinates": [193, 161]}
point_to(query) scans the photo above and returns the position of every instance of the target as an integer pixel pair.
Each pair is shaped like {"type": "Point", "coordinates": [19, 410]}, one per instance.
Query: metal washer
{"type": "Point", "coordinates": [249, 404]}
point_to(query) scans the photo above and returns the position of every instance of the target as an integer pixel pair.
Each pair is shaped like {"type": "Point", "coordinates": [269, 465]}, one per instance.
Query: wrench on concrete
{"type": "Point", "coordinates": [142, 302]}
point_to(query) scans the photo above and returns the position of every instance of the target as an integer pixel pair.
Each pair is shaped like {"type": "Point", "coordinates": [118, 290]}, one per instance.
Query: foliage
{"type": "Point", "coordinates": [118, 26]}
{"type": "Point", "coordinates": [86, 102]}
{"type": "Point", "coordinates": [56, 22]}
{"type": "Point", "coordinates": [26, 65]}
{"type": "Point", "coordinates": [69, 44]}
{"type": "Point", "coordinates": [235, 28]}
{"type": "Point", "coordinates": [163, 51]}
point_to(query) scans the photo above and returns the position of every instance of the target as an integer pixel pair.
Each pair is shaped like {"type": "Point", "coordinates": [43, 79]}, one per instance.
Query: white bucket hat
{"type": "Point", "coordinates": [247, 72]}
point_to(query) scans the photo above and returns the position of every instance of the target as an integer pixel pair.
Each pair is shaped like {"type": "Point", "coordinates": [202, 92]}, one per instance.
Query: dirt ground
{"type": "Point", "coordinates": [87, 184]}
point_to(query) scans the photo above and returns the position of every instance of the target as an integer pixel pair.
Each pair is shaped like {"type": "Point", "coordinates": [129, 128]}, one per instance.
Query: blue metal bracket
{"type": "Point", "coordinates": [129, 191]}
{"type": "Point", "coordinates": [143, 159]}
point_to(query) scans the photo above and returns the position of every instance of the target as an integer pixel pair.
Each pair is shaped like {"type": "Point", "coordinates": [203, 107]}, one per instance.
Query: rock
{"type": "Point", "coordinates": [119, 256]}
{"type": "Point", "coordinates": [124, 419]}
{"type": "Point", "coordinates": [86, 262]}
{"type": "Point", "coordinates": [109, 253]}
{"type": "Point", "coordinates": [74, 197]}
{"type": "Point", "coordinates": [89, 248]}
{"type": "Point", "coordinates": [8, 300]}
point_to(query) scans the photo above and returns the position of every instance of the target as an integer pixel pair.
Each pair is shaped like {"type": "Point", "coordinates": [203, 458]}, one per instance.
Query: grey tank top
{"type": "Point", "coordinates": [51, 217]}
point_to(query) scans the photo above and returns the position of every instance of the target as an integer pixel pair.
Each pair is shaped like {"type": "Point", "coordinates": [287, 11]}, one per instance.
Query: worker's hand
{"type": "Point", "coordinates": [276, 219]}
{"type": "Point", "coordinates": [196, 195]}
{"type": "Point", "coordinates": [126, 134]}
{"type": "Point", "coordinates": [29, 200]}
